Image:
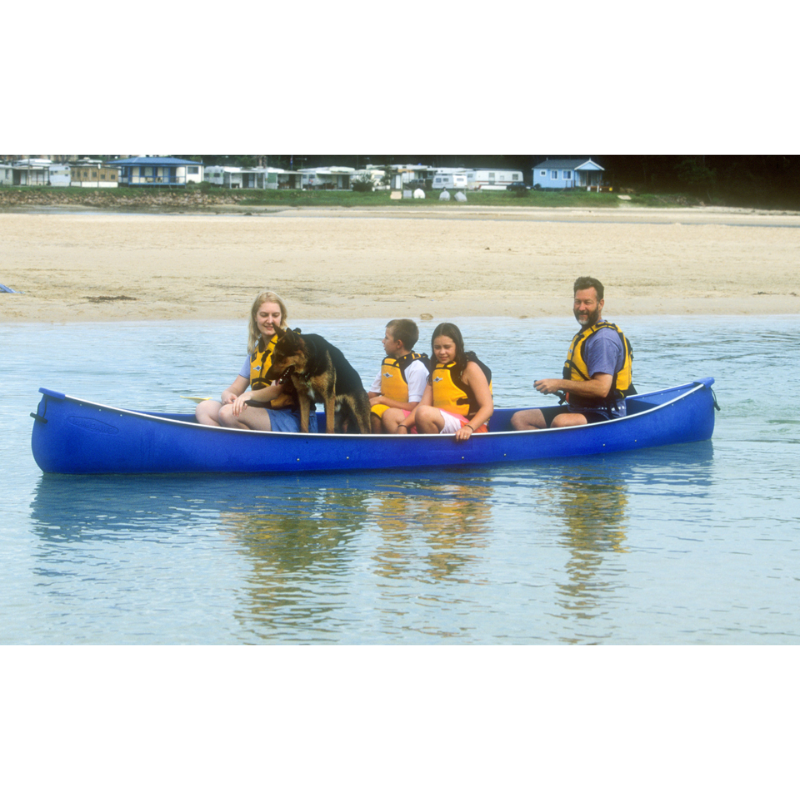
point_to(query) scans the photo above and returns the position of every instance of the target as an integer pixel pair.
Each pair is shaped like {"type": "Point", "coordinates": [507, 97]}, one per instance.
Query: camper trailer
{"type": "Point", "coordinates": [483, 179]}
{"type": "Point", "coordinates": [450, 180]}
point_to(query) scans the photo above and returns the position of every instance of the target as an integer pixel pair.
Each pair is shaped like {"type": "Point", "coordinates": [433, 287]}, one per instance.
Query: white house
{"type": "Point", "coordinates": [157, 170]}
{"type": "Point", "coordinates": [256, 178]}
{"type": "Point", "coordinates": [6, 175]}
{"type": "Point", "coordinates": [234, 177]}
{"type": "Point", "coordinates": [326, 177]}
{"type": "Point", "coordinates": [276, 178]}
{"type": "Point", "coordinates": [31, 171]}
{"type": "Point", "coordinates": [410, 173]}
{"type": "Point", "coordinates": [567, 173]}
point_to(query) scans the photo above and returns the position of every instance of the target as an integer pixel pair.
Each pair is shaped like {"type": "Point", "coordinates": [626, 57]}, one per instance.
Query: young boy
{"type": "Point", "coordinates": [401, 381]}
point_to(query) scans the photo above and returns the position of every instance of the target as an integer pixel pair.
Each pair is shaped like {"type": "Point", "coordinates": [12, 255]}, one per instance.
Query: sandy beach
{"type": "Point", "coordinates": [390, 262]}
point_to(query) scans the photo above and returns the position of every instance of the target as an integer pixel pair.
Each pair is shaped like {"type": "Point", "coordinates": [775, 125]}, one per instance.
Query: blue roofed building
{"type": "Point", "coordinates": [567, 173]}
{"type": "Point", "coordinates": [157, 171]}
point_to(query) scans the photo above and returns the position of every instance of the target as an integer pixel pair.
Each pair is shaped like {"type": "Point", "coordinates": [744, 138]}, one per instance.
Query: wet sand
{"type": "Point", "coordinates": [390, 262]}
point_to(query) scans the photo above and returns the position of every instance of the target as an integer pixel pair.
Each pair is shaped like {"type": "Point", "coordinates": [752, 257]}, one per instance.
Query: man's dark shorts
{"type": "Point", "coordinates": [552, 412]}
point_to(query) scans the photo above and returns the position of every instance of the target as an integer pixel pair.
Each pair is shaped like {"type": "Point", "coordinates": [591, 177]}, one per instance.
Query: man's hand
{"type": "Point", "coordinates": [548, 385]}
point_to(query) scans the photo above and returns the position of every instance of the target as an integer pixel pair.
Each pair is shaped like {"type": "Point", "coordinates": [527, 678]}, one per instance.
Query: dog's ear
{"type": "Point", "coordinates": [297, 330]}
{"type": "Point", "coordinates": [280, 332]}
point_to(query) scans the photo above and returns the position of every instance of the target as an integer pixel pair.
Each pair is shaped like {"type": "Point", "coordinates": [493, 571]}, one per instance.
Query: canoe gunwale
{"type": "Point", "coordinates": [75, 436]}
{"type": "Point", "coordinates": [691, 388]}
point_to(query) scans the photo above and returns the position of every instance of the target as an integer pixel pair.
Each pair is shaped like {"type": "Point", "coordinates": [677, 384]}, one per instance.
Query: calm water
{"type": "Point", "coordinates": [693, 544]}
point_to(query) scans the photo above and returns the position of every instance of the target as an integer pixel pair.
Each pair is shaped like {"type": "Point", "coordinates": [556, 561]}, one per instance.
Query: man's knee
{"type": "Point", "coordinates": [528, 419]}
{"type": "Point", "coordinates": [568, 421]}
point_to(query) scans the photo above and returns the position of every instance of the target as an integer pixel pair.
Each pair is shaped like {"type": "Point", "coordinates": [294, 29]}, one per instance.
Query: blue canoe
{"type": "Point", "coordinates": [77, 436]}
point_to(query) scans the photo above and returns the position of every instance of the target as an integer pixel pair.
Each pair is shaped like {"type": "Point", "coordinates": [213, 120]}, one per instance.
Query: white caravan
{"type": "Point", "coordinates": [482, 179]}
{"type": "Point", "coordinates": [450, 180]}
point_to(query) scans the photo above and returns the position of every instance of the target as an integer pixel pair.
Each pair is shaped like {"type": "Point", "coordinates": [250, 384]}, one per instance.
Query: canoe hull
{"type": "Point", "coordinates": [75, 436]}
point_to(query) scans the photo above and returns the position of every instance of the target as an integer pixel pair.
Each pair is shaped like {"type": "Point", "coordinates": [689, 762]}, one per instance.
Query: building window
{"type": "Point", "coordinates": [194, 170]}
{"type": "Point", "coordinates": [554, 174]}
{"type": "Point", "coordinates": [567, 174]}
{"type": "Point", "coordinates": [543, 173]}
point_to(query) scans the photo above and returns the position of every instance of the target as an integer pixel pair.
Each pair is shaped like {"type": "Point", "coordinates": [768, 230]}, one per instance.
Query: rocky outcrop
{"type": "Point", "coordinates": [104, 198]}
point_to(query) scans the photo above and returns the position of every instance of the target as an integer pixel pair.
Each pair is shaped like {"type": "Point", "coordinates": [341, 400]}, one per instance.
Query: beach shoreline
{"type": "Point", "coordinates": [384, 262]}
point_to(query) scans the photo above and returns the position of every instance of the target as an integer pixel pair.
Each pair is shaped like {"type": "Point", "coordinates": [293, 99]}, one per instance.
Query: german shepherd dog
{"type": "Point", "coordinates": [320, 373]}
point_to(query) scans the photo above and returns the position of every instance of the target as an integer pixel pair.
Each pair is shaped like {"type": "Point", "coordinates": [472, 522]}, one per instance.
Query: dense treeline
{"type": "Point", "coordinates": [766, 181]}
{"type": "Point", "coordinates": [761, 181]}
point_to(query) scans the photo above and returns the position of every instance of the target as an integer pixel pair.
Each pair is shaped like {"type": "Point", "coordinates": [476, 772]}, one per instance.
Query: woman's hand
{"type": "Point", "coordinates": [464, 433]}
{"type": "Point", "coordinates": [228, 397]}
{"type": "Point", "coordinates": [240, 402]}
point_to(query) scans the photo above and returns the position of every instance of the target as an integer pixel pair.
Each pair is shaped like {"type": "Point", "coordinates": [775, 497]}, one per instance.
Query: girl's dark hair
{"type": "Point", "coordinates": [452, 331]}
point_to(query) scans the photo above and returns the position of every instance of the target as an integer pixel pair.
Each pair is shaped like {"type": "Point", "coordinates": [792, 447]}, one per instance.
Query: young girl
{"type": "Point", "coordinates": [458, 397]}
{"type": "Point", "coordinates": [243, 408]}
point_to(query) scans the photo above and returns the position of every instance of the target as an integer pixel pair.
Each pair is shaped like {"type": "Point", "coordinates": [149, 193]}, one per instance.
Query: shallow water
{"type": "Point", "coordinates": [689, 544]}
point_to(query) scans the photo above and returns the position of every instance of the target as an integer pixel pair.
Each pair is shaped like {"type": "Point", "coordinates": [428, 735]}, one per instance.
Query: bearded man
{"type": "Point", "coordinates": [597, 375]}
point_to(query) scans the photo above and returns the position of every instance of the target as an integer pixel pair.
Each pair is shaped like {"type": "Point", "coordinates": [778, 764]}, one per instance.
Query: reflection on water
{"type": "Point", "coordinates": [593, 506]}
{"type": "Point", "coordinates": [327, 531]}
{"type": "Point", "coordinates": [298, 536]}
{"type": "Point", "coordinates": [303, 539]}
{"type": "Point", "coordinates": [440, 524]}
{"type": "Point", "coordinates": [304, 532]}
{"type": "Point", "coordinates": [365, 557]}
{"type": "Point", "coordinates": [594, 499]}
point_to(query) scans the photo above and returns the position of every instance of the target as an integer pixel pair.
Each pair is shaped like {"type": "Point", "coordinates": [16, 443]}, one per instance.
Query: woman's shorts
{"type": "Point", "coordinates": [453, 423]}
{"type": "Point", "coordinates": [287, 420]}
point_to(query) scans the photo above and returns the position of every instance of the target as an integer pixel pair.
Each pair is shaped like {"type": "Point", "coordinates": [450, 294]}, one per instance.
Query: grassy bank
{"type": "Point", "coordinates": [383, 198]}
{"type": "Point", "coordinates": [204, 196]}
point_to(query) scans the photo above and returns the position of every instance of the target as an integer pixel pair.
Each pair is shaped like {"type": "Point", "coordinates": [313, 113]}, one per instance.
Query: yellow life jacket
{"type": "Point", "coordinates": [575, 368]}
{"type": "Point", "coordinates": [393, 375]}
{"type": "Point", "coordinates": [451, 394]}
{"type": "Point", "coordinates": [260, 362]}
{"type": "Point", "coordinates": [393, 379]}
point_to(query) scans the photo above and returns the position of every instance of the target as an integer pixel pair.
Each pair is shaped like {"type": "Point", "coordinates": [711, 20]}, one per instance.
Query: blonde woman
{"type": "Point", "coordinates": [249, 408]}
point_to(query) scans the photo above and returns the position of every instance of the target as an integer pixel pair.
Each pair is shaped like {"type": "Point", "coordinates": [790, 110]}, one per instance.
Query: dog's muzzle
{"type": "Point", "coordinates": [284, 376]}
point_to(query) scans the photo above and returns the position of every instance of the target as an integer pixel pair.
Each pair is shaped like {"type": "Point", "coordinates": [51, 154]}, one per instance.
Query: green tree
{"type": "Point", "coordinates": [695, 176]}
